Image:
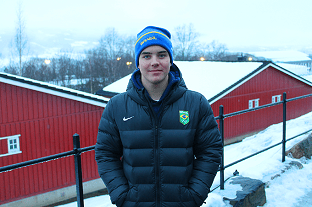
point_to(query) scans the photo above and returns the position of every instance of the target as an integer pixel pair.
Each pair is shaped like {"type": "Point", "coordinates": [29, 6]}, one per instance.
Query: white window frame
{"type": "Point", "coordinates": [276, 98]}
{"type": "Point", "coordinates": [13, 144]}
{"type": "Point", "coordinates": [253, 103]}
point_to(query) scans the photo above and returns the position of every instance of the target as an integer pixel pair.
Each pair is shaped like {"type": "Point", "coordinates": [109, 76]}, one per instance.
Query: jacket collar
{"type": "Point", "coordinates": [175, 88]}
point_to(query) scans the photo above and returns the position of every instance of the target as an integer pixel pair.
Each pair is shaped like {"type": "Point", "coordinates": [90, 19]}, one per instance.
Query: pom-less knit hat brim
{"type": "Point", "coordinates": [150, 36]}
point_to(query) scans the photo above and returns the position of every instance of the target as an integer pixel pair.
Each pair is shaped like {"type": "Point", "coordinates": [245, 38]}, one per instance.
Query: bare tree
{"type": "Point", "coordinates": [211, 51]}
{"type": "Point", "coordinates": [218, 50]}
{"type": "Point", "coordinates": [185, 40]}
{"type": "Point", "coordinates": [20, 38]}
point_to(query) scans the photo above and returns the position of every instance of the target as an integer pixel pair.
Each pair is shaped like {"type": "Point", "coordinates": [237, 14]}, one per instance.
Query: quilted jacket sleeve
{"type": "Point", "coordinates": [108, 152]}
{"type": "Point", "coordinates": [208, 152]}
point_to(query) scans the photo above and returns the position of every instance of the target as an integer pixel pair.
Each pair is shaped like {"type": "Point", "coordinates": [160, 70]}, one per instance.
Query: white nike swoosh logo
{"type": "Point", "coordinates": [126, 119]}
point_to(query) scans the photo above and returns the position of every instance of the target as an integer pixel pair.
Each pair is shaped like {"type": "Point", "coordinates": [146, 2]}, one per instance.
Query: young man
{"type": "Point", "coordinates": [158, 143]}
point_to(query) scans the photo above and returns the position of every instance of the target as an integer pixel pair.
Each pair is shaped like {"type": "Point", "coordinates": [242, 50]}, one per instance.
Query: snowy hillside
{"type": "Point", "coordinates": [282, 56]}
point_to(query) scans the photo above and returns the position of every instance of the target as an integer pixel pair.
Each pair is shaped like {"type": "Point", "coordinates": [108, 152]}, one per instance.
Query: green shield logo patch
{"type": "Point", "coordinates": [184, 117]}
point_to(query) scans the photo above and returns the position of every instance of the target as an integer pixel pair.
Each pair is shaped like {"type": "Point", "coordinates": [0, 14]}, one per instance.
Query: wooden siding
{"type": "Point", "coordinates": [46, 124]}
{"type": "Point", "coordinates": [266, 84]}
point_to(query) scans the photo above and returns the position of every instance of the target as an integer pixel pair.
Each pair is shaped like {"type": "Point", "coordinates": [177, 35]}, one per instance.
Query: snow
{"type": "Point", "coordinates": [297, 69]}
{"type": "Point", "coordinates": [79, 43]}
{"type": "Point", "coordinates": [211, 75]}
{"type": "Point", "coordinates": [285, 190]}
{"type": "Point", "coordinates": [282, 56]}
{"type": "Point", "coordinates": [211, 78]}
{"type": "Point", "coordinates": [72, 82]}
{"type": "Point", "coordinates": [214, 77]}
{"type": "Point", "coordinates": [308, 77]}
{"type": "Point", "coordinates": [300, 70]}
{"type": "Point", "coordinates": [4, 62]}
{"type": "Point", "coordinates": [118, 86]}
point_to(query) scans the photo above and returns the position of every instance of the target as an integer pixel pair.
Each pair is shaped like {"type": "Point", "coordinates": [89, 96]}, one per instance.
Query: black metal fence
{"type": "Point", "coordinates": [77, 150]}
{"type": "Point", "coordinates": [222, 116]}
{"type": "Point", "coordinates": [77, 157]}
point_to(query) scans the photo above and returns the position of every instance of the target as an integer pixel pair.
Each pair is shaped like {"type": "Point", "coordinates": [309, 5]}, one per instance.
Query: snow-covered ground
{"type": "Point", "coordinates": [286, 190]}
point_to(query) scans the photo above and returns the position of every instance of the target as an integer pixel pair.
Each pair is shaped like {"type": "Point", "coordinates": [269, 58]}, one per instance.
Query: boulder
{"type": "Point", "coordinates": [252, 194]}
{"type": "Point", "coordinates": [301, 149]}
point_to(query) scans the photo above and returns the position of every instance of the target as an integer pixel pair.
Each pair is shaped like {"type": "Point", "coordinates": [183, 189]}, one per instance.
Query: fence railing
{"type": "Point", "coordinates": [77, 150]}
{"type": "Point", "coordinates": [222, 116]}
{"type": "Point", "coordinates": [77, 158]}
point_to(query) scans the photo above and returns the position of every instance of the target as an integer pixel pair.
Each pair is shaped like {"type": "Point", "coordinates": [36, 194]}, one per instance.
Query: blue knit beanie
{"type": "Point", "coordinates": [152, 36]}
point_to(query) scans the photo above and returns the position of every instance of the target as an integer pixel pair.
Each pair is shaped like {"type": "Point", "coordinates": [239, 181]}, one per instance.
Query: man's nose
{"type": "Point", "coordinates": [155, 61]}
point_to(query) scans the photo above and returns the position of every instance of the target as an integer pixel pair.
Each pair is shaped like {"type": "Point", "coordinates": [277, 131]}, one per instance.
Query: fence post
{"type": "Point", "coordinates": [78, 171]}
{"type": "Point", "coordinates": [284, 128]}
{"type": "Point", "coordinates": [222, 137]}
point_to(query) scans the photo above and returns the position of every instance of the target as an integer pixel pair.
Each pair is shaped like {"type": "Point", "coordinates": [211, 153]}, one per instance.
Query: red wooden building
{"type": "Point", "coordinates": [39, 119]}
{"type": "Point", "coordinates": [264, 85]}
{"type": "Point", "coordinates": [242, 85]}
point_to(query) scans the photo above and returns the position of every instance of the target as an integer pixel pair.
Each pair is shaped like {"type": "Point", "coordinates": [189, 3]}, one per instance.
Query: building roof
{"type": "Point", "coordinates": [282, 56]}
{"type": "Point", "coordinates": [214, 79]}
{"type": "Point", "coordinates": [53, 89]}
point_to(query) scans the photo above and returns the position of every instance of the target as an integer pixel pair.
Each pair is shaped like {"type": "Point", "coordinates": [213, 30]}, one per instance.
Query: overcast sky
{"type": "Point", "coordinates": [236, 23]}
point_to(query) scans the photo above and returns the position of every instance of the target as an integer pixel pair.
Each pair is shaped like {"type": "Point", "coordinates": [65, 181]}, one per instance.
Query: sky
{"type": "Point", "coordinates": [291, 189]}
{"type": "Point", "coordinates": [240, 24]}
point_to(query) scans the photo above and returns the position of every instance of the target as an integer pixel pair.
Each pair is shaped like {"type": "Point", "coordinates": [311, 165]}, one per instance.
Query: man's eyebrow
{"type": "Point", "coordinates": [146, 53]}
{"type": "Point", "coordinates": [160, 52]}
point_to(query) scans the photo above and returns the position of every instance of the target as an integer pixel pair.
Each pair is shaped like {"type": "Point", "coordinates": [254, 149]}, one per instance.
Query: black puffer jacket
{"type": "Point", "coordinates": [149, 160]}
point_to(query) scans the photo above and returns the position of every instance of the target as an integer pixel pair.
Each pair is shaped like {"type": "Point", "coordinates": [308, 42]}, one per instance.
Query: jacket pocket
{"type": "Point", "coordinates": [186, 197]}
{"type": "Point", "coordinates": [132, 196]}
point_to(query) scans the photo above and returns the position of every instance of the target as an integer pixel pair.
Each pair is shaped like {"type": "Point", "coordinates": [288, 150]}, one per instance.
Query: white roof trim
{"type": "Point", "coordinates": [292, 74]}
{"type": "Point", "coordinates": [256, 73]}
{"type": "Point", "coordinates": [54, 92]}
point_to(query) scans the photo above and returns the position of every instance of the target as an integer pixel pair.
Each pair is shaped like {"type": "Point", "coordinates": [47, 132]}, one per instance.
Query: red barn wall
{"type": "Point", "coordinates": [46, 124]}
{"type": "Point", "coordinates": [268, 83]}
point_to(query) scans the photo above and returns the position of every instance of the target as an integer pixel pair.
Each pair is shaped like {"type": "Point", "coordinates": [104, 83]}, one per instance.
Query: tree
{"type": "Point", "coordinates": [218, 50]}
{"type": "Point", "coordinates": [64, 64]}
{"type": "Point", "coordinates": [11, 69]}
{"type": "Point", "coordinates": [212, 51]}
{"type": "Point", "coordinates": [20, 38]}
{"type": "Point", "coordinates": [185, 40]}
{"type": "Point", "coordinates": [108, 61]}
{"type": "Point", "coordinates": [112, 46]}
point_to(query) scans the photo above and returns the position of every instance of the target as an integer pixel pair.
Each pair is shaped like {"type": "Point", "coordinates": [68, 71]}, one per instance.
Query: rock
{"type": "Point", "coordinates": [296, 164]}
{"type": "Point", "coordinates": [252, 194]}
{"type": "Point", "coordinates": [303, 148]}
{"type": "Point", "coordinates": [287, 167]}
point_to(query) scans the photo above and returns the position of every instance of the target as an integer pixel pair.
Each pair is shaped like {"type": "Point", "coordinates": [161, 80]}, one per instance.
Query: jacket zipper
{"type": "Point", "coordinates": [157, 155]}
{"type": "Point", "coordinates": [154, 120]}
{"type": "Point", "coordinates": [156, 151]}
{"type": "Point", "coordinates": [157, 158]}
{"type": "Point", "coordinates": [157, 163]}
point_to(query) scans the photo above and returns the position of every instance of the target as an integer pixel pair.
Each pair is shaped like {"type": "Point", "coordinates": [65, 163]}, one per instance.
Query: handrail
{"type": "Point", "coordinates": [222, 116]}
{"type": "Point", "coordinates": [36, 161]}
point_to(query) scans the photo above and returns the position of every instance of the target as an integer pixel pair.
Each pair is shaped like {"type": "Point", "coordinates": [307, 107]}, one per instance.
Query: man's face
{"type": "Point", "coordinates": [154, 65]}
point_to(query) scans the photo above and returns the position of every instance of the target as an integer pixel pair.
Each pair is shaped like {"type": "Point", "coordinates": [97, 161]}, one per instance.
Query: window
{"type": "Point", "coordinates": [254, 103]}
{"type": "Point", "coordinates": [12, 144]}
{"type": "Point", "coordinates": [276, 98]}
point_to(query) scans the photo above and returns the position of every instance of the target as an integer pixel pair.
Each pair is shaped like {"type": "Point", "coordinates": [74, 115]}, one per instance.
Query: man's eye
{"type": "Point", "coordinates": [162, 55]}
{"type": "Point", "coordinates": [146, 56]}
